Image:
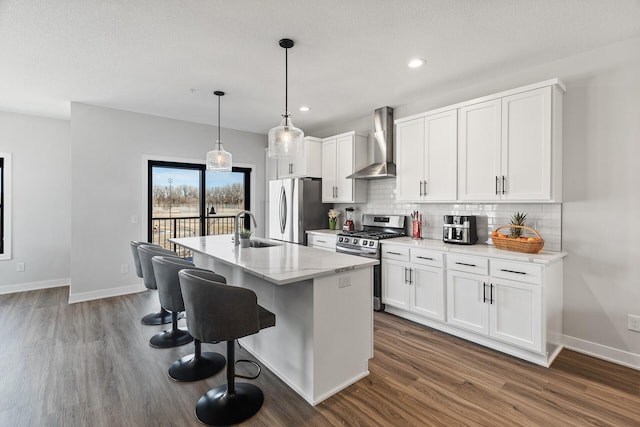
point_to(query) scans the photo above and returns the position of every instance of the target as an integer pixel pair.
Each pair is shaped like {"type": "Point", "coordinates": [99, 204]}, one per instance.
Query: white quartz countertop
{"type": "Point", "coordinates": [481, 249]}
{"type": "Point", "coordinates": [282, 264]}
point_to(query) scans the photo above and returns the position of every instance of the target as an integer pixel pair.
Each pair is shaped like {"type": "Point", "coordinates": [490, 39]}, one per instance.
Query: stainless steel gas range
{"type": "Point", "coordinates": [366, 243]}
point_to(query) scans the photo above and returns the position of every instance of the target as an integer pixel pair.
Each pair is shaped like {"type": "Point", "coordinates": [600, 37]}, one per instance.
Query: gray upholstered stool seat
{"type": "Point", "coordinates": [165, 269]}
{"type": "Point", "coordinates": [145, 253]}
{"type": "Point", "coordinates": [218, 312]}
{"type": "Point", "coordinates": [199, 365]}
{"type": "Point", "coordinates": [163, 316]}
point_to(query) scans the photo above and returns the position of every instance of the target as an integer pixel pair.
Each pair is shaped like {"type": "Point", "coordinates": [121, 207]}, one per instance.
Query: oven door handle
{"type": "Point", "coordinates": [355, 251]}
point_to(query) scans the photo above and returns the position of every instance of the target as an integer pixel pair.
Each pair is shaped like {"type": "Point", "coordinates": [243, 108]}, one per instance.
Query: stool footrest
{"type": "Point", "coordinates": [247, 377]}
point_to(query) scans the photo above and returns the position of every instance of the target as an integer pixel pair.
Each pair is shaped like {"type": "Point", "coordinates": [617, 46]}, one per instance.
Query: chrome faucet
{"type": "Point", "coordinates": [236, 233]}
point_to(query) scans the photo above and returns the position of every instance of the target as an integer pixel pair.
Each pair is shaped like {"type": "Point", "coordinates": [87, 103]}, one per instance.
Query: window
{"type": "Point", "coordinates": [186, 200]}
{"type": "Point", "coordinates": [5, 206]}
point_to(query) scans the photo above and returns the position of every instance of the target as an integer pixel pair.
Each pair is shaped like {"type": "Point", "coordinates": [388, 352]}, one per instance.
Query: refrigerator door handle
{"type": "Point", "coordinates": [283, 210]}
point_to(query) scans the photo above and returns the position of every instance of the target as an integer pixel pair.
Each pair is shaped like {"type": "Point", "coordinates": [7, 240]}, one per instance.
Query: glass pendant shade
{"type": "Point", "coordinates": [286, 140]}
{"type": "Point", "coordinates": [219, 160]}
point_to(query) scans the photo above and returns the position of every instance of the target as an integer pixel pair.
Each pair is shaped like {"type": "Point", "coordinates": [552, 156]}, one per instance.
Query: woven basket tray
{"type": "Point", "coordinates": [517, 245]}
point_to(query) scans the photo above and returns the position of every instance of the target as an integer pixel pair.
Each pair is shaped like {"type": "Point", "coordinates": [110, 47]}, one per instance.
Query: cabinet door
{"type": "Point", "coordinates": [479, 146]}
{"type": "Point", "coordinates": [466, 306]}
{"type": "Point", "coordinates": [427, 298]}
{"type": "Point", "coordinates": [329, 167]}
{"type": "Point", "coordinates": [440, 160]}
{"type": "Point", "coordinates": [345, 167]}
{"type": "Point", "coordinates": [410, 160]}
{"type": "Point", "coordinates": [395, 289]}
{"type": "Point", "coordinates": [284, 168]}
{"type": "Point", "coordinates": [526, 145]}
{"type": "Point", "coordinates": [516, 314]}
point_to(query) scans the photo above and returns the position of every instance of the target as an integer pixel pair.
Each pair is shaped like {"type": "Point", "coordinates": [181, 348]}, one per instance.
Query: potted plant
{"type": "Point", "coordinates": [245, 238]}
{"type": "Point", "coordinates": [333, 218]}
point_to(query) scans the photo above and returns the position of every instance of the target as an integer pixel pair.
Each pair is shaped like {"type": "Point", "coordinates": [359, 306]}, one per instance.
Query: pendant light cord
{"type": "Point", "coordinates": [219, 140]}
{"type": "Point", "coordinates": [286, 82]}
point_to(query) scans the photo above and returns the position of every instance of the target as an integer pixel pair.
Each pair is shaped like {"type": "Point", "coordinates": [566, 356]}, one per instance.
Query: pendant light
{"type": "Point", "coordinates": [286, 140]}
{"type": "Point", "coordinates": [219, 160]}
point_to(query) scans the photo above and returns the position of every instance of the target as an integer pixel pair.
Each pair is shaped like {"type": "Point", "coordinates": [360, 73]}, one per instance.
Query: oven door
{"type": "Point", "coordinates": [359, 251]}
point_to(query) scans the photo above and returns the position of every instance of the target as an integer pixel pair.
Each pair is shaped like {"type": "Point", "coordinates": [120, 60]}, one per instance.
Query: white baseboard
{"type": "Point", "coordinates": [33, 286]}
{"type": "Point", "coordinates": [105, 293]}
{"type": "Point", "coordinates": [610, 354]}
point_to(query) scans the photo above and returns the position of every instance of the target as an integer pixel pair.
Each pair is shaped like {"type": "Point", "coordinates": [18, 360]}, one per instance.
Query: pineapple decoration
{"type": "Point", "coordinates": [517, 218]}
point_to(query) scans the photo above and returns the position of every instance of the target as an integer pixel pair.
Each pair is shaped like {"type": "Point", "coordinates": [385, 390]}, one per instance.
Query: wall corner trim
{"type": "Point", "coordinates": [610, 354]}
{"type": "Point", "coordinates": [105, 293]}
{"type": "Point", "coordinates": [33, 286]}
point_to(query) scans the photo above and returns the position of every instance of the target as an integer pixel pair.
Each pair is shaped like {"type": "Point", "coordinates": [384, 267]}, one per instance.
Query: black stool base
{"type": "Point", "coordinates": [170, 338]}
{"type": "Point", "coordinates": [217, 408]}
{"type": "Point", "coordinates": [190, 368]}
{"type": "Point", "coordinates": [160, 318]}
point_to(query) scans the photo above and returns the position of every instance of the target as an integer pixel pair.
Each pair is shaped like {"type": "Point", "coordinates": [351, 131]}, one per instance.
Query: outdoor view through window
{"type": "Point", "coordinates": [183, 204]}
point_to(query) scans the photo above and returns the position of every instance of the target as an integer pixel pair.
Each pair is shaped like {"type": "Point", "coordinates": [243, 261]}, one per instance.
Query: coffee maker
{"type": "Point", "coordinates": [460, 229]}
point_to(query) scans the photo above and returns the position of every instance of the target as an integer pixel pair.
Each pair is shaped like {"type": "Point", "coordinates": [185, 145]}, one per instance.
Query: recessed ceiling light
{"type": "Point", "coordinates": [415, 63]}
{"type": "Point", "coordinates": [304, 109]}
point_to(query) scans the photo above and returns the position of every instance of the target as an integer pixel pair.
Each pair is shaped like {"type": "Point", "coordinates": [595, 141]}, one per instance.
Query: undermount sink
{"type": "Point", "coordinates": [259, 244]}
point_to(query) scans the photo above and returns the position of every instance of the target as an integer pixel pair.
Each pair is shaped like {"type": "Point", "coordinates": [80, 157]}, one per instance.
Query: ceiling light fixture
{"type": "Point", "coordinates": [286, 140]}
{"type": "Point", "coordinates": [416, 63]}
{"type": "Point", "coordinates": [304, 109]}
{"type": "Point", "coordinates": [219, 160]}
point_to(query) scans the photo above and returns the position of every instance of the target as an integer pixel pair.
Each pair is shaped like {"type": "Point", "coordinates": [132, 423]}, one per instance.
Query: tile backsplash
{"type": "Point", "coordinates": [546, 218]}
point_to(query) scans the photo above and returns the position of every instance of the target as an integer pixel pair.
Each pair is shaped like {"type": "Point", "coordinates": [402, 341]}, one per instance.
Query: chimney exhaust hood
{"type": "Point", "coordinates": [383, 166]}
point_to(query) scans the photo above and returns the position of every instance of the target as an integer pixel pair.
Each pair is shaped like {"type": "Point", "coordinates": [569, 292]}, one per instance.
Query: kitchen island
{"type": "Point", "coordinates": [323, 338]}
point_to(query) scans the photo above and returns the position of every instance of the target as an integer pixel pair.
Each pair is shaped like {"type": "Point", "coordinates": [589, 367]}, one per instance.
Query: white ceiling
{"type": "Point", "coordinates": [350, 56]}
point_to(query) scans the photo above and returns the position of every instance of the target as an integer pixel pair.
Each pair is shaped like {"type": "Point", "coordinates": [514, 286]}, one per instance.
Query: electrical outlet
{"type": "Point", "coordinates": [134, 219]}
{"type": "Point", "coordinates": [633, 323]}
{"type": "Point", "coordinates": [20, 266]}
{"type": "Point", "coordinates": [124, 268]}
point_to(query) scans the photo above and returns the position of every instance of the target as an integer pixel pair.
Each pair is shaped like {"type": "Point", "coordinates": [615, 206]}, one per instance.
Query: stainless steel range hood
{"type": "Point", "coordinates": [383, 166]}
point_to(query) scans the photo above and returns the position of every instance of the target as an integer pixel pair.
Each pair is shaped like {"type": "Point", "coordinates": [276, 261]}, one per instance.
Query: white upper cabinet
{"type": "Point", "coordinates": [343, 155]}
{"type": "Point", "coordinates": [509, 148]}
{"type": "Point", "coordinates": [426, 158]}
{"type": "Point", "coordinates": [479, 145]}
{"type": "Point", "coordinates": [502, 147]}
{"type": "Point", "coordinates": [309, 165]}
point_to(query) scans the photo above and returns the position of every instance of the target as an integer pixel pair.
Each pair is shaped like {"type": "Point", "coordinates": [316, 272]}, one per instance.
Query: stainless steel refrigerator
{"type": "Point", "coordinates": [295, 205]}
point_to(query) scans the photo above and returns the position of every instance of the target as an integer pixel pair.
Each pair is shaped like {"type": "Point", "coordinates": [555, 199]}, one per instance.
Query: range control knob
{"type": "Point", "coordinates": [371, 243]}
{"type": "Point", "coordinates": [355, 241]}
{"type": "Point", "coordinates": [340, 239]}
{"type": "Point", "coordinates": [364, 243]}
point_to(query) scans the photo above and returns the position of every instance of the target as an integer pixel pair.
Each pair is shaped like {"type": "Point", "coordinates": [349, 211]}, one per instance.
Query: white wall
{"type": "Point", "coordinates": [41, 217]}
{"type": "Point", "coordinates": [107, 149]}
{"type": "Point", "coordinates": [601, 173]}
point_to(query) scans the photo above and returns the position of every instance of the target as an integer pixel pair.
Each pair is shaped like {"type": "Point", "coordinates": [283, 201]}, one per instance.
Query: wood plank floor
{"type": "Point", "coordinates": [90, 364]}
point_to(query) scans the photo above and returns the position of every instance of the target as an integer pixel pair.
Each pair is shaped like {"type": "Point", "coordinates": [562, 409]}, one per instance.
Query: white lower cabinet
{"type": "Point", "coordinates": [511, 306]}
{"type": "Point", "coordinates": [323, 241]}
{"type": "Point", "coordinates": [413, 286]}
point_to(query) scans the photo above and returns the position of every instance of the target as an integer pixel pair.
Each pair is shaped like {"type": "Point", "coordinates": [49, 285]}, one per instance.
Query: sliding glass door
{"type": "Point", "coordinates": [186, 200]}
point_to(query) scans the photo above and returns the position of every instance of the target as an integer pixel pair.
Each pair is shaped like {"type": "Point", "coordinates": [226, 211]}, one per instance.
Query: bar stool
{"type": "Point", "coordinates": [145, 253]}
{"type": "Point", "coordinates": [218, 312]}
{"type": "Point", "coordinates": [165, 269]}
{"type": "Point", "coordinates": [199, 365]}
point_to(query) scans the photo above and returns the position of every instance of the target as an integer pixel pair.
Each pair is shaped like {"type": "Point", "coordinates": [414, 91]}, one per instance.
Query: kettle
{"type": "Point", "coordinates": [348, 223]}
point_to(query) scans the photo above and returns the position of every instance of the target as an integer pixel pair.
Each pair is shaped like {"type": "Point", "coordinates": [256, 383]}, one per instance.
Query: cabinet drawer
{"type": "Point", "coordinates": [395, 252]}
{"type": "Point", "coordinates": [518, 271]}
{"type": "Point", "coordinates": [327, 241]}
{"type": "Point", "coordinates": [427, 257]}
{"type": "Point", "coordinates": [468, 263]}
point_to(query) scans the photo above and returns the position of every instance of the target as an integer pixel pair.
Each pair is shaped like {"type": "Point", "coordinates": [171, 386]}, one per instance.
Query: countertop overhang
{"type": "Point", "coordinates": [282, 264]}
